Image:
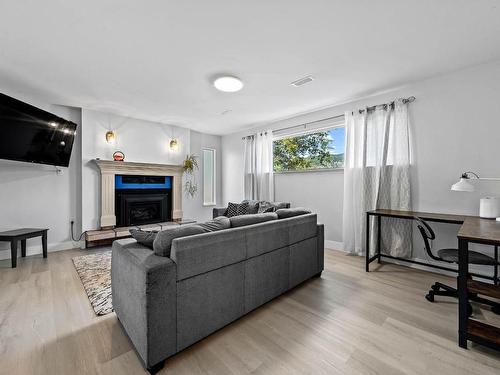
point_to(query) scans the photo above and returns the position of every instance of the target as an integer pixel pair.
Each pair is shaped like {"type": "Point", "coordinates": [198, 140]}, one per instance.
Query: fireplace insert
{"type": "Point", "coordinates": [142, 200]}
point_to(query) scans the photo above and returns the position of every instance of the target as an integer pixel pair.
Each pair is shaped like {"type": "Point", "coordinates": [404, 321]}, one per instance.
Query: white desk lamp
{"type": "Point", "coordinates": [489, 207]}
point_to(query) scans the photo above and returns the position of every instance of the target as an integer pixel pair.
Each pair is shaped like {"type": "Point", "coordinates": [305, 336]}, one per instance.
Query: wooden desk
{"type": "Point", "coordinates": [22, 235]}
{"type": "Point", "coordinates": [481, 231]}
{"type": "Point", "coordinates": [472, 230]}
{"type": "Point", "coordinates": [410, 215]}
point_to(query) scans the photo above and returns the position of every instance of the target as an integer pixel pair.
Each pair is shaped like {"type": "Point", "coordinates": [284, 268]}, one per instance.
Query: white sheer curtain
{"type": "Point", "coordinates": [377, 175]}
{"type": "Point", "coordinates": [258, 166]}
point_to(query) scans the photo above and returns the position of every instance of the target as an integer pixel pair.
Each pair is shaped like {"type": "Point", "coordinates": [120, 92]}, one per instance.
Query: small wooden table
{"type": "Point", "coordinates": [22, 235]}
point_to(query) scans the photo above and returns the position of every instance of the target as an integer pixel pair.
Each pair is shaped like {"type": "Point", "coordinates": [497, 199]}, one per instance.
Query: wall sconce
{"type": "Point", "coordinates": [174, 144]}
{"type": "Point", "coordinates": [110, 136]}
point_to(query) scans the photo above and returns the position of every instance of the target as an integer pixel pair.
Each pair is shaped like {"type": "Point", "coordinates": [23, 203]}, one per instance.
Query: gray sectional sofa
{"type": "Point", "coordinates": [166, 304]}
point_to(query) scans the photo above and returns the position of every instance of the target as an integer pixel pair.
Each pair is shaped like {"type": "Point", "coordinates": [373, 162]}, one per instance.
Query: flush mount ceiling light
{"type": "Point", "coordinates": [228, 84]}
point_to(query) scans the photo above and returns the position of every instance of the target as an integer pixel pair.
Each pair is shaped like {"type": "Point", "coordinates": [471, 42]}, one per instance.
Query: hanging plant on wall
{"type": "Point", "coordinates": [190, 165]}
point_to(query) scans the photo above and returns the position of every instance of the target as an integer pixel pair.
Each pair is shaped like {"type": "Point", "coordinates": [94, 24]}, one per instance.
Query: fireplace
{"type": "Point", "coordinates": [110, 169]}
{"type": "Point", "coordinates": [142, 199]}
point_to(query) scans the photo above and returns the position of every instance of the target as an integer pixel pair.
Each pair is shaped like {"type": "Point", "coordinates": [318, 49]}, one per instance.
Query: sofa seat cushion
{"type": "Point", "coordinates": [244, 220]}
{"type": "Point", "coordinates": [163, 242]}
{"type": "Point", "coordinates": [284, 213]}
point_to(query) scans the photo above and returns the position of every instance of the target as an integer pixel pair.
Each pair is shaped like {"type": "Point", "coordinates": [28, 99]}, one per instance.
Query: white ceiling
{"type": "Point", "coordinates": [155, 59]}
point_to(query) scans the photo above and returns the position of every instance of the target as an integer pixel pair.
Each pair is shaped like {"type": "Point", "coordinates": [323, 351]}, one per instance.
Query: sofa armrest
{"type": "Point", "coordinates": [321, 247]}
{"type": "Point", "coordinates": [144, 298]}
{"type": "Point", "coordinates": [218, 211]}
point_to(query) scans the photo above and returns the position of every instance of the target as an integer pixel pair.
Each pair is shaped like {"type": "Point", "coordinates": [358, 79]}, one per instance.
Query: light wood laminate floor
{"type": "Point", "coordinates": [346, 322]}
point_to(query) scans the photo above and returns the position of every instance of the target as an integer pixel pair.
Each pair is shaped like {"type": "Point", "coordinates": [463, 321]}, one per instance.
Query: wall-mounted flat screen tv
{"type": "Point", "coordinates": [33, 135]}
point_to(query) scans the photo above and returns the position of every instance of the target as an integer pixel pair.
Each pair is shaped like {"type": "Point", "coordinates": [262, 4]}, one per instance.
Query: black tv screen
{"type": "Point", "coordinates": [33, 135]}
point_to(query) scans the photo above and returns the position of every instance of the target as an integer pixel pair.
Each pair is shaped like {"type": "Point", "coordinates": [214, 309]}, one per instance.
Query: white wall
{"type": "Point", "coordinates": [321, 192]}
{"type": "Point", "coordinates": [33, 195]}
{"type": "Point", "coordinates": [193, 207]}
{"type": "Point", "coordinates": [455, 127]}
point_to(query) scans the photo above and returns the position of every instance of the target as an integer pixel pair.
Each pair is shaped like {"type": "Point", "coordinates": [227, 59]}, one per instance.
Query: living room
{"type": "Point", "coordinates": [213, 181]}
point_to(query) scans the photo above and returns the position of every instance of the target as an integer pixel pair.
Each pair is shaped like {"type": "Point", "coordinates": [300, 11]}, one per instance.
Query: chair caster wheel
{"type": "Point", "coordinates": [429, 297]}
{"type": "Point", "coordinates": [435, 288]}
{"type": "Point", "coordinates": [469, 310]}
{"type": "Point", "coordinates": [495, 310]}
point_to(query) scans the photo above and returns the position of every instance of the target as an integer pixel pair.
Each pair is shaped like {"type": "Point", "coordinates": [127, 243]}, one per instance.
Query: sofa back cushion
{"type": "Point", "coordinates": [284, 213]}
{"type": "Point", "coordinates": [244, 220]}
{"type": "Point", "coordinates": [219, 223]}
{"type": "Point", "coordinates": [201, 253]}
{"type": "Point", "coordinates": [163, 242]}
{"type": "Point", "coordinates": [301, 227]}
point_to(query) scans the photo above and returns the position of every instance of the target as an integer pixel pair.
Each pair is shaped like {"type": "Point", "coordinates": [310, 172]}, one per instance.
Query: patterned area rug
{"type": "Point", "coordinates": [95, 273]}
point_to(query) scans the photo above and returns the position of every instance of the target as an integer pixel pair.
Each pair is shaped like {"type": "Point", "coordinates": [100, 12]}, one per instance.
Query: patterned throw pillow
{"type": "Point", "coordinates": [235, 209]}
{"type": "Point", "coordinates": [242, 208]}
{"type": "Point", "coordinates": [232, 208]}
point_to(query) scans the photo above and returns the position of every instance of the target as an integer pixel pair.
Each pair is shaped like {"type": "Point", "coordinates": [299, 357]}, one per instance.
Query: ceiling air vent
{"type": "Point", "coordinates": [302, 81]}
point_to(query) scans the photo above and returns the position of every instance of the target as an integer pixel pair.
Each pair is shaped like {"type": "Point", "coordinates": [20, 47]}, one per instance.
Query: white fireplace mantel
{"type": "Point", "coordinates": [111, 168]}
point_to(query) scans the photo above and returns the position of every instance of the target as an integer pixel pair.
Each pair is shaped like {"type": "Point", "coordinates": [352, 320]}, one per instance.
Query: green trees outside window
{"type": "Point", "coordinates": [324, 149]}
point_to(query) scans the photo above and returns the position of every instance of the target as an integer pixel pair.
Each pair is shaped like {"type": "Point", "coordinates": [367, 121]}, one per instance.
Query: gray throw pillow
{"type": "Point", "coordinates": [265, 206]}
{"type": "Point", "coordinates": [143, 237]}
{"type": "Point", "coordinates": [163, 242]}
{"type": "Point", "coordinates": [219, 223]}
{"type": "Point", "coordinates": [284, 213]}
{"type": "Point", "coordinates": [253, 206]}
{"type": "Point", "coordinates": [280, 205]}
{"type": "Point", "coordinates": [240, 221]}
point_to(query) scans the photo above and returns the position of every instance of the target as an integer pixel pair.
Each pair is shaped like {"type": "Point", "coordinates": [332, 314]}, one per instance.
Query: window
{"type": "Point", "coordinates": [316, 149]}
{"type": "Point", "coordinates": [209, 177]}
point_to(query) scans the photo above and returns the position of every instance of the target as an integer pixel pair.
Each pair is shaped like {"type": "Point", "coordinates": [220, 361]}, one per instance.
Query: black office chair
{"type": "Point", "coordinates": [451, 256]}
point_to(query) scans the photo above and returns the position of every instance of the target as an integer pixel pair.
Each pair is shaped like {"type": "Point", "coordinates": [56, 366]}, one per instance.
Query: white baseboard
{"type": "Point", "coordinates": [34, 250]}
{"type": "Point", "coordinates": [335, 245]}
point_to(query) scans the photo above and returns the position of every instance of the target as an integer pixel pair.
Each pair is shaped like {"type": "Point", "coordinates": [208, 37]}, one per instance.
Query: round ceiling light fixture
{"type": "Point", "coordinates": [228, 84]}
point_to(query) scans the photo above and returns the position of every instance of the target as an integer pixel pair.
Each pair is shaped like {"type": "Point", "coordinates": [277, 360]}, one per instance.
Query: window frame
{"type": "Point", "coordinates": [214, 177]}
{"type": "Point", "coordinates": [307, 132]}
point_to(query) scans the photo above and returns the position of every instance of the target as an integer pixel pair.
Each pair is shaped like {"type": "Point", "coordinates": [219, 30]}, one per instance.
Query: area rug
{"type": "Point", "coordinates": [94, 271]}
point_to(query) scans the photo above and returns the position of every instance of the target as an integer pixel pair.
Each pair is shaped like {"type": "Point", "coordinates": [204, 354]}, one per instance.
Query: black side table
{"type": "Point", "coordinates": [22, 235]}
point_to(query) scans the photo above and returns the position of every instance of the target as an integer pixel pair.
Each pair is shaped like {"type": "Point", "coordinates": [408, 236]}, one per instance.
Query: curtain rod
{"type": "Point", "coordinates": [405, 101]}
{"type": "Point", "coordinates": [301, 125]}
{"type": "Point", "coordinates": [410, 99]}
